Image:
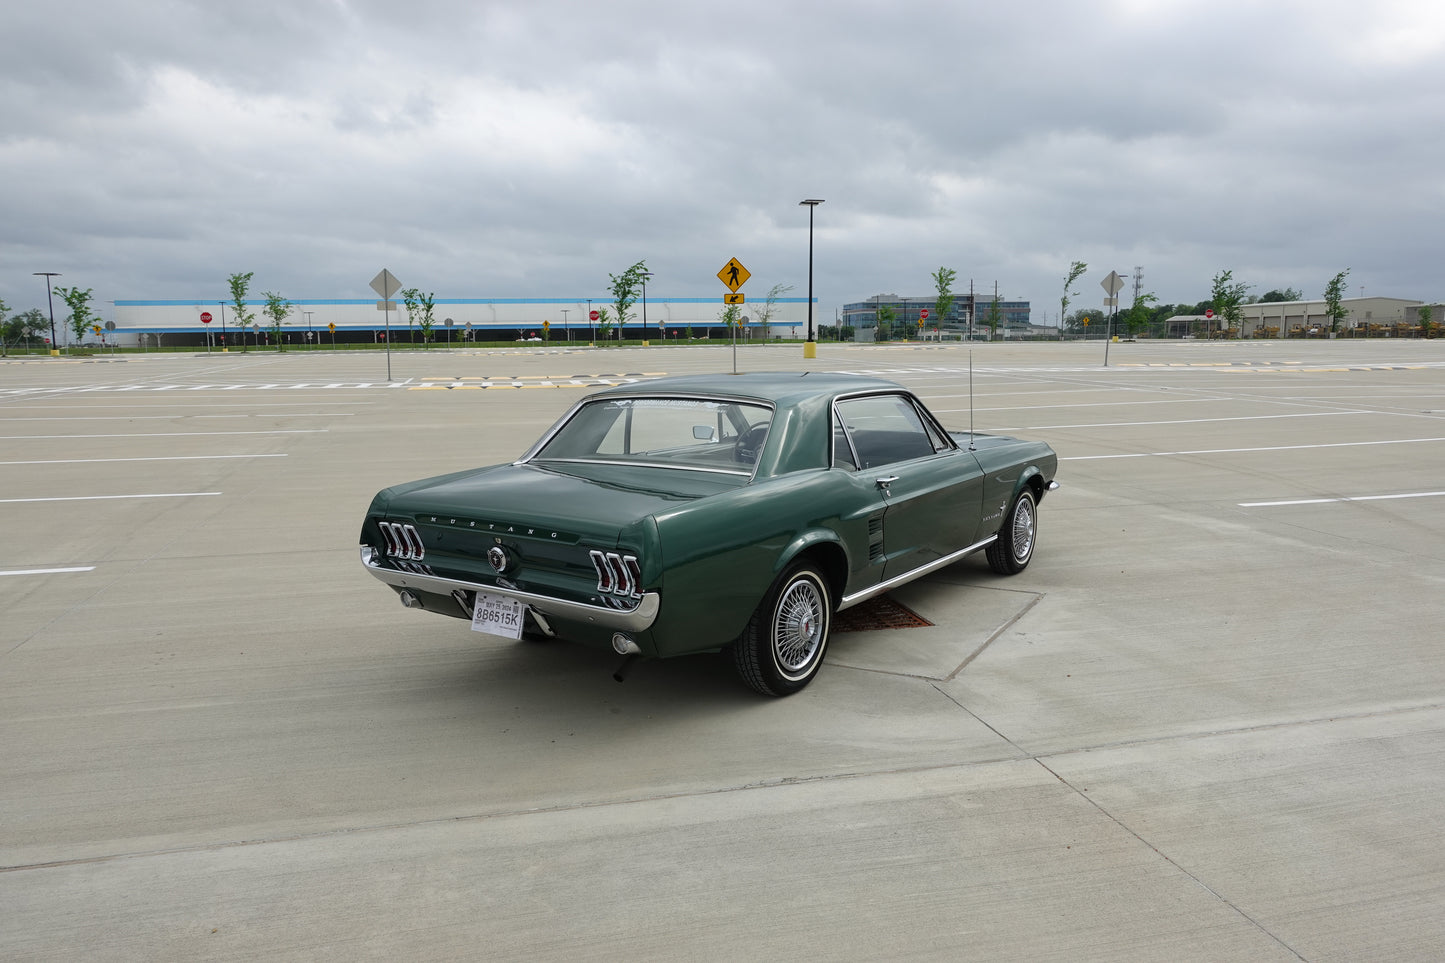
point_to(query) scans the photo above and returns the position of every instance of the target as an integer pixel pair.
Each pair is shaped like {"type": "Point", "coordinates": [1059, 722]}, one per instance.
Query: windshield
{"type": "Point", "coordinates": [688, 433]}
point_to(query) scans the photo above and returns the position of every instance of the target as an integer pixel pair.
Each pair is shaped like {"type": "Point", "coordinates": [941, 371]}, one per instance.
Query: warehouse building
{"type": "Point", "coordinates": [321, 321]}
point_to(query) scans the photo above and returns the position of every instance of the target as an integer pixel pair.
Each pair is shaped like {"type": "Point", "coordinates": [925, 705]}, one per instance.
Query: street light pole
{"type": "Point", "coordinates": [644, 276]}
{"type": "Point", "coordinates": [810, 349]}
{"type": "Point", "coordinates": [50, 300]}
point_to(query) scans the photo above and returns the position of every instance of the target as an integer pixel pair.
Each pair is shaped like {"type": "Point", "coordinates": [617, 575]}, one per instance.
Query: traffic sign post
{"type": "Point", "coordinates": [1112, 285]}
{"type": "Point", "coordinates": [733, 274]}
{"type": "Point", "coordinates": [386, 284]}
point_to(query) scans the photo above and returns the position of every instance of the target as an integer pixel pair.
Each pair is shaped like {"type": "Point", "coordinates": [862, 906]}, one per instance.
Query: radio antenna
{"type": "Point", "coordinates": [971, 445]}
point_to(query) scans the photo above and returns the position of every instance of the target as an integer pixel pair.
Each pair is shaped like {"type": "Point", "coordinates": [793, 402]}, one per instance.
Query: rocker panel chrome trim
{"type": "Point", "coordinates": [871, 591]}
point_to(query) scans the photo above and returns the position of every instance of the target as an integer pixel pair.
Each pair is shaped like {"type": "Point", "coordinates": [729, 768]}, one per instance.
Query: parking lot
{"type": "Point", "coordinates": [1207, 723]}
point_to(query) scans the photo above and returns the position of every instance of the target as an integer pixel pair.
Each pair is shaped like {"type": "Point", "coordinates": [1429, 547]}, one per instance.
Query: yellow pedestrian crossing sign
{"type": "Point", "coordinates": [733, 274]}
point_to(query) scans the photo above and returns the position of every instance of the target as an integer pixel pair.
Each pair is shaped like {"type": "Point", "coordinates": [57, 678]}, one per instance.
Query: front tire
{"type": "Point", "coordinates": [782, 647]}
{"type": "Point", "coordinates": [1010, 553]}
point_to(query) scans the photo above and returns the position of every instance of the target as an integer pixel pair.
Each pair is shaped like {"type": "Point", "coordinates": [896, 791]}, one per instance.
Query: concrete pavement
{"type": "Point", "coordinates": [1207, 723]}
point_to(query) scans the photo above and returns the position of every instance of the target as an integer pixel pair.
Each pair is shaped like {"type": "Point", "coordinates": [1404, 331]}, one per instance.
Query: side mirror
{"type": "Point", "coordinates": [702, 432]}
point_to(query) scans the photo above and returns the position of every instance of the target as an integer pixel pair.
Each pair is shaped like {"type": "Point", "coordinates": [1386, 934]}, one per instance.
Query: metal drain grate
{"type": "Point", "coordinates": [879, 613]}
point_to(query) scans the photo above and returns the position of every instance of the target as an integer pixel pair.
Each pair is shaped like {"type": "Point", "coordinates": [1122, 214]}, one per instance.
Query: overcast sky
{"type": "Point", "coordinates": [528, 148]}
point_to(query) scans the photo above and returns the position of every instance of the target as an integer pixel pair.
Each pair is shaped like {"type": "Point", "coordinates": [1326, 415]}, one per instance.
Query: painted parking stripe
{"type": "Point", "coordinates": [1186, 421]}
{"type": "Point", "coordinates": [101, 498]}
{"type": "Point", "coordinates": [49, 571]}
{"type": "Point", "coordinates": [1352, 498]}
{"type": "Point", "coordinates": [92, 461]}
{"type": "Point", "coordinates": [170, 434]}
{"type": "Point", "coordinates": [1232, 451]}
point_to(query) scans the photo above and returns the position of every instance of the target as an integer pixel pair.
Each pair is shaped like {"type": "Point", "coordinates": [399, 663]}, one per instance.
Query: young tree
{"type": "Point", "coordinates": [731, 317]}
{"type": "Point", "coordinates": [769, 306]}
{"type": "Point", "coordinates": [277, 309]}
{"type": "Point", "coordinates": [1334, 294]}
{"type": "Point", "coordinates": [240, 284]}
{"type": "Point", "coordinates": [624, 288]}
{"type": "Point", "coordinates": [994, 318]}
{"type": "Point", "coordinates": [886, 316]}
{"type": "Point", "coordinates": [1227, 298]}
{"type": "Point", "coordinates": [20, 328]}
{"type": "Point", "coordinates": [1140, 313]}
{"type": "Point", "coordinates": [943, 280]}
{"type": "Point", "coordinates": [1276, 296]}
{"type": "Point", "coordinates": [420, 311]}
{"type": "Point", "coordinates": [1076, 271]}
{"type": "Point", "coordinates": [1427, 321]}
{"type": "Point", "coordinates": [81, 317]}
{"type": "Point", "coordinates": [604, 324]}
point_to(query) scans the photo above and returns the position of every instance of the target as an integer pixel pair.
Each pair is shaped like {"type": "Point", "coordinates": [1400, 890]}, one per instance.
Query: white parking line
{"type": "Point", "coordinates": [169, 434]}
{"type": "Point", "coordinates": [98, 498]}
{"type": "Point", "coordinates": [88, 461]}
{"type": "Point", "coordinates": [49, 571]}
{"type": "Point", "coordinates": [1186, 421]}
{"type": "Point", "coordinates": [1326, 501]}
{"type": "Point", "coordinates": [1231, 451]}
{"type": "Point", "coordinates": [268, 414]}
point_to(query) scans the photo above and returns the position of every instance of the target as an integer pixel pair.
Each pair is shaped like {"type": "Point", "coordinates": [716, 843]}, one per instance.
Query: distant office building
{"type": "Point", "coordinates": [968, 316]}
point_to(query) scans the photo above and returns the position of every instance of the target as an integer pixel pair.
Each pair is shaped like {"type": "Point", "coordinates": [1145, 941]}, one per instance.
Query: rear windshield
{"type": "Point", "coordinates": [688, 433]}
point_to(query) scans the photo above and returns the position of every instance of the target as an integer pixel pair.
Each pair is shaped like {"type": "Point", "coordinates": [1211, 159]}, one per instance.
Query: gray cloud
{"type": "Point", "coordinates": [514, 149]}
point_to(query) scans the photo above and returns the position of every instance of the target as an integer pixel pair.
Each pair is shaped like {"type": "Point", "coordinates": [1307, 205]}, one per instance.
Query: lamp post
{"type": "Point", "coordinates": [49, 300]}
{"type": "Point", "coordinates": [309, 335]}
{"type": "Point", "coordinates": [643, 277]}
{"type": "Point", "coordinates": [589, 320]}
{"type": "Point", "coordinates": [810, 349]}
{"type": "Point", "coordinates": [566, 329]}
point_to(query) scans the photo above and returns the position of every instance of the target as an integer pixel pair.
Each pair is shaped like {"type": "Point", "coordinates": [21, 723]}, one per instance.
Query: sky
{"type": "Point", "coordinates": [529, 148]}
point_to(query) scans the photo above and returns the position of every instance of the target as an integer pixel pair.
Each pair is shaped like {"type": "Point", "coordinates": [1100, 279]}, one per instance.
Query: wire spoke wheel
{"type": "Point", "coordinates": [785, 640]}
{"type": "Point", "coordinates": [798, 626]}
{"type": "Point", "coordinates": [1010, 552]}
{"type": "Point", "coordinates": [1024, 526]}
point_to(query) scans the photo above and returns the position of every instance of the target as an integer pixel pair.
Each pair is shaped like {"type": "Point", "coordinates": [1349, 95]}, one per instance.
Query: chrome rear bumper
{"type": "Point", "coordinates": [637, 617]}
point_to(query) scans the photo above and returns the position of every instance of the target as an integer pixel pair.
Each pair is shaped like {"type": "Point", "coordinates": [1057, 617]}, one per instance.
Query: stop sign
{"type": "Point", "coordinates": [205, 317]}
{"type": "Point", "coordinates": [594, 315]}
{"type": "Point", "coordinates": [923, 315]}
{"type": "Point", "coordinates": [1209, 312]}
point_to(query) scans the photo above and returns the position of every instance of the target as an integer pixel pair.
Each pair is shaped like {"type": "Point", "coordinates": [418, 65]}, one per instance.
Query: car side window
{"type": "Point", "coordinates": [842, 448]}
{"type": "Point", "coordinates": [886, 429]}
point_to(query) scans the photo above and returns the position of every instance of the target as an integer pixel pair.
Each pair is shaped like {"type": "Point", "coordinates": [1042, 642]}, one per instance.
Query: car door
{"type": "Point", "coordinates": [932, 491]}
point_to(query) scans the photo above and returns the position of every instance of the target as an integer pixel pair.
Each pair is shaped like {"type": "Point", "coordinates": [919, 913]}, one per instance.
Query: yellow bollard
{"type": "Point", "coordinates": [810, 349]}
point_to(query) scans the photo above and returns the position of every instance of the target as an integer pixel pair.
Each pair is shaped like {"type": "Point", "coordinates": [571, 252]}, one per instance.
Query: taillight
{"type": "Point", "coordinates": [402, 541]}
{"type": "Point", "coordinates": [617, 574]}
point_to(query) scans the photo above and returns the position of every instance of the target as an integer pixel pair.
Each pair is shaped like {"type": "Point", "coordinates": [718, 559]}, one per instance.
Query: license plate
{"type": "Point", "coordinates": [498, 615]}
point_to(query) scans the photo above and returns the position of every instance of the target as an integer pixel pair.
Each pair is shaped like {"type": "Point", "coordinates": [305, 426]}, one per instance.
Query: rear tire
{"type": "Point", "coordinates": [1010, 553]}
{"type": "Point", "coordinates": [783, 645]}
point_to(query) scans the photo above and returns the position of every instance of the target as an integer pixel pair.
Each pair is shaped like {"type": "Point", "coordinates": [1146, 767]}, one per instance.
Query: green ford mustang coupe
{"type": "Point", "coordinates": [710, 512]}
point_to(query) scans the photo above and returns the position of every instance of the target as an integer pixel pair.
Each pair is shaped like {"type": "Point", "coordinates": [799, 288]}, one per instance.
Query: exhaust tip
{"type": "Point", "coordinates": [622, 645]}
{"type": "Point", "coordinates": [410, 601]}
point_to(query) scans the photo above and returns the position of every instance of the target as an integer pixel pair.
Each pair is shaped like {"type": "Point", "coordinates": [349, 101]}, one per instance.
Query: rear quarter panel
{"type": "Point", "coordinates": [720, 554]}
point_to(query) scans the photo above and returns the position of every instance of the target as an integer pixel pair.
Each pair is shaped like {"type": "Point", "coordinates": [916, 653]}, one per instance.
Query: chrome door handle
{"type": "Point", "coordinates": [885, 481]}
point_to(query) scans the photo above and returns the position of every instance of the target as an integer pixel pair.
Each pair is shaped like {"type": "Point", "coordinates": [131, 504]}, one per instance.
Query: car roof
{"type": "Point", "coordinates": [782, 388]}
